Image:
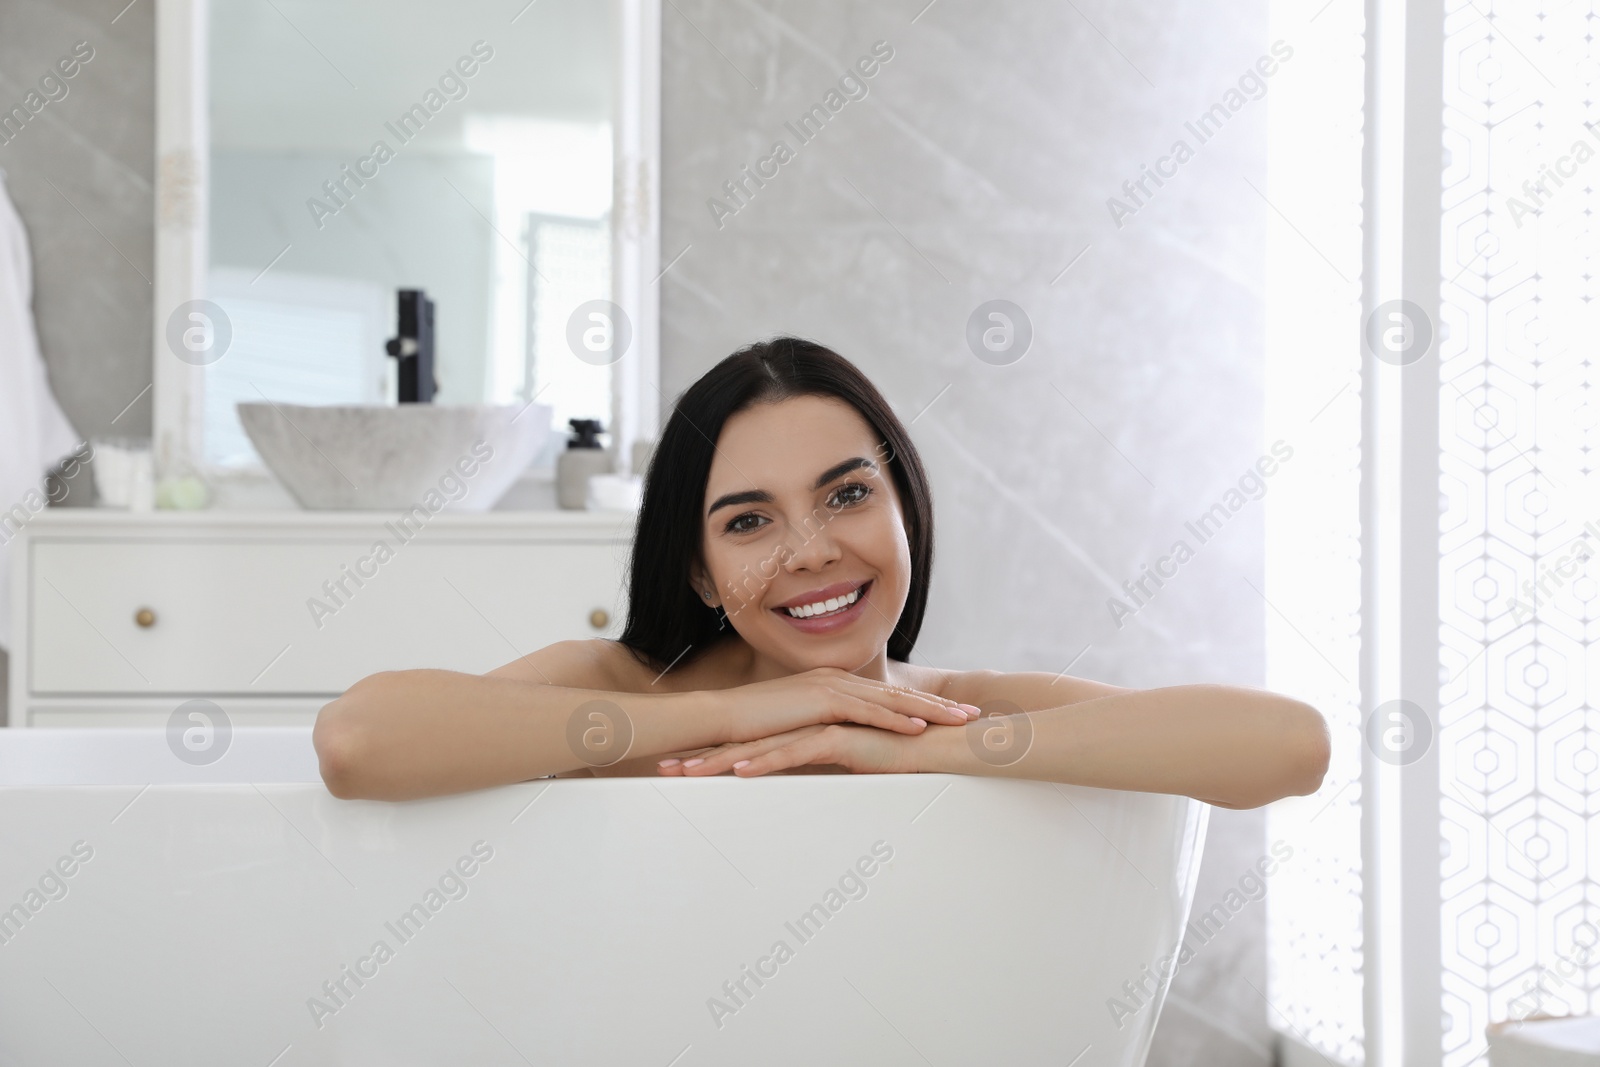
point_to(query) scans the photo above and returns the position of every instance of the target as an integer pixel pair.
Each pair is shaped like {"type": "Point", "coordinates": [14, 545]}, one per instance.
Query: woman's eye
{"type": "Point", "coordinates": [850, 497]}
{"type": "Point", "coordinates": [845, 496]}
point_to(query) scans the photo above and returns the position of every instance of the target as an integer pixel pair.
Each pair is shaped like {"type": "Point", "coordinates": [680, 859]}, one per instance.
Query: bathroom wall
{"type": "Point", "coordinates": [977, 166]}
{"type": "Point", "coordinates": [82, 175]}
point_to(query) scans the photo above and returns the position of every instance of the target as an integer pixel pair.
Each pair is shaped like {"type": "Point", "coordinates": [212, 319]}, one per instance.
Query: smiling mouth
{"type": "Point", "coordinates": [839, 605]}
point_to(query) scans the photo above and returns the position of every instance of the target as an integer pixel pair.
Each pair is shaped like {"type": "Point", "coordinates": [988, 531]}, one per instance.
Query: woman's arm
{"type": "Point", "coordinates": [1231, 746]}
{"type": "Point", "coordinates": [1226, 745]}
{"type": "Point", "coordinates": [405, 734]}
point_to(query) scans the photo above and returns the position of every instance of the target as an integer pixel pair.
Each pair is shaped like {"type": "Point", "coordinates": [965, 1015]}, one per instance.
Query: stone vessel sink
{"type": "Point", "coordinates": [369, 458]}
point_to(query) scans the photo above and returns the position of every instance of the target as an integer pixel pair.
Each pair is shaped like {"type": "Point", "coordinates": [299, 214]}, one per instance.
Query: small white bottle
{"type": "Point", "coordinates": [644, 449]}
{"type": "Point", "coordinates": [141, 481]}
{"type": "Point", "coordinates": [582, 457]}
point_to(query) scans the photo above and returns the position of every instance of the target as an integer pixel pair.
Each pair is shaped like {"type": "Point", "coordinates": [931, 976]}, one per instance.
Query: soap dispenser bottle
{"type": "Point", "coordinates": [582, 457]}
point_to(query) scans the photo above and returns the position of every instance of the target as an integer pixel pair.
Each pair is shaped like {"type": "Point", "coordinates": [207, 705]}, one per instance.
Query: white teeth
{"type": "Point", "coordinates": [825, 606]}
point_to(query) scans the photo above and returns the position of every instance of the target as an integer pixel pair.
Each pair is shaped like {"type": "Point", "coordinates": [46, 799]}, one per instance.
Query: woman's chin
{"type": "Point", "coordinates": [844, 660]}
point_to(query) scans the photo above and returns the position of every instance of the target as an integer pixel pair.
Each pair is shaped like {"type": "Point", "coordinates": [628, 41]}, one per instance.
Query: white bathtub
{"type": "Point", "coordinates": [207, 920]}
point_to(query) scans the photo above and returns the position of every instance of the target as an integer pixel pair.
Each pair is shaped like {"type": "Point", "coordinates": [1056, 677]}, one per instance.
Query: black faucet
{"type": "Point", "coordinates": [414, 348]}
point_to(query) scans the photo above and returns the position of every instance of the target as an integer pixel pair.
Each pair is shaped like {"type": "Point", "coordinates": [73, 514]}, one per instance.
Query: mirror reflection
{"type": "Point", "coordinates": [358, 150]}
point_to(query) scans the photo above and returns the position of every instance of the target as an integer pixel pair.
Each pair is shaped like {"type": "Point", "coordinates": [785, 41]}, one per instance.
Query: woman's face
{"type": "Point", "coordinates": [800, 508]}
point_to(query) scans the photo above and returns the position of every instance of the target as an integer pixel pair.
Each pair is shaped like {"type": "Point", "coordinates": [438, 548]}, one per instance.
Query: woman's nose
{"type": "Point", "coordinates": [810, 544]}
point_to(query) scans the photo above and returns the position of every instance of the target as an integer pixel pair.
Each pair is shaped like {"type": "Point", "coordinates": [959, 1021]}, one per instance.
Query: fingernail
{"type": "Point", "coordinates": [972, 712]}
{"type": "Point", "coordinates": [741, 763]}
{"type": "Point", "coordinates": [667, 763]}
{"type": "Point", "coordinates": [919, 722]}
{"type": "Point", "coordinates": [692, 762]}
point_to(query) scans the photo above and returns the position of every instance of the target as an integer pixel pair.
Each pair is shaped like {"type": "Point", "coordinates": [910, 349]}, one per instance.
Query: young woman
{"type": "Point", "coordinates": [778, 580]}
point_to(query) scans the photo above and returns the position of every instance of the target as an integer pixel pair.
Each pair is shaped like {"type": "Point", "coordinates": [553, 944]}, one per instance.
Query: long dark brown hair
{"type": "Point", "coordinates": [667, 622]}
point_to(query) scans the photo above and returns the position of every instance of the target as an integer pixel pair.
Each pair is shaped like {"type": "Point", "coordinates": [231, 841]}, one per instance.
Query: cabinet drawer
{"type": "Point", "coordinates": [250, 617]}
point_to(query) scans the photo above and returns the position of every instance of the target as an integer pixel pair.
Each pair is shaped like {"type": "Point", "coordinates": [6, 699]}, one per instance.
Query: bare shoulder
{"type": "Point", "coordinates": [582, 663]}
{"type": "Point", "coordinates": [1029, 690]}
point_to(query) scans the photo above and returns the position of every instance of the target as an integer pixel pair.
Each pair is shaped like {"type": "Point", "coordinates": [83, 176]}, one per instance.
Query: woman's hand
{"type": "Point", "coordinates": [856, 749]}
{"type": "Point", "coordinates": [828, 695]}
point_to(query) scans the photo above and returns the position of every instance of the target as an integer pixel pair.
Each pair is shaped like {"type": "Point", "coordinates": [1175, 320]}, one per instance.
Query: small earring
{"type": "Point", "coordinates": [706, 595]}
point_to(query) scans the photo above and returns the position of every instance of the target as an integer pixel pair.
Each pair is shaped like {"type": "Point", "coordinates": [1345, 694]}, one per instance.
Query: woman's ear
{"type": "Point", "coordinates": [701, 584]}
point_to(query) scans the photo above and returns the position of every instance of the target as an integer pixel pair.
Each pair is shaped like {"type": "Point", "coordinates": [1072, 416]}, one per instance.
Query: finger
{"type": "Point", "coordinates": [816, 748]}
{"type": "Point", "coordinates": [890, 692]}
{"type": "Point", "coordinates": [871, 713]}
{"type": "Point", "coordinates": [913, 702]}
{"type": "Point", "coordinates": [723, 759]}
{"type": "Point", "coordinates": [672, 762]}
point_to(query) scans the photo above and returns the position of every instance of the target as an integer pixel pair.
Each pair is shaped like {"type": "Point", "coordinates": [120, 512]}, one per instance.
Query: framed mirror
{"type": "Point", "coordinates": [500, 156]}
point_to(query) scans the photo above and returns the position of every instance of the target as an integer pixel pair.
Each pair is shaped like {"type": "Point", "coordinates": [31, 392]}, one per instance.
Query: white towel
{"type": "Point", "coordinates": [34, 432]}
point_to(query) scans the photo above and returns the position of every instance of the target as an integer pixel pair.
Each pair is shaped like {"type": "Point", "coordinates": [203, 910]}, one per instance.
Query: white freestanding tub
{"type": "Point", "coordinates": [154, 912]}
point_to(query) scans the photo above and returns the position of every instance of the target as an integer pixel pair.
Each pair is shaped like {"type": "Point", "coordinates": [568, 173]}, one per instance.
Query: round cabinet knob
{"type": "Point", "coordinates": [145, 617]}
{"type": "Point", "coordinates": [598, 618]}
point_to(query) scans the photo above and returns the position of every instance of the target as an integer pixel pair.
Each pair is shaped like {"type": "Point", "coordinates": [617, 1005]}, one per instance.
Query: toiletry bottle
{"type": "Point", "coordinates": [643, 449]}
{"type": "Point", "coordinates": [582, 457]}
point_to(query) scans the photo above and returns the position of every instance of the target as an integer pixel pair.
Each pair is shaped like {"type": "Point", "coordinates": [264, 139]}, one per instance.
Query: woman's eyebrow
{"type": "Point", "coordinates": [761, 496]}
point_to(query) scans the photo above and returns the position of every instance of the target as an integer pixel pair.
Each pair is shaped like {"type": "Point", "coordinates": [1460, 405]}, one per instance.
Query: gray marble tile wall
{"type": "Point", "coordinates": [81, 173]}
{"type": "Point", "coordinates": [976, 164]}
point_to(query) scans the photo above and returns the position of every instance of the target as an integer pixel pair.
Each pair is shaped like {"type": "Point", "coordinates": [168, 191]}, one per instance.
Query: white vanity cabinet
{"type": "Point", "coordinates": [120, 617]}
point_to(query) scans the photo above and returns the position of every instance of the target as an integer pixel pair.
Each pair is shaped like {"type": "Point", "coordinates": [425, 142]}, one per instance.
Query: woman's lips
{"type": "Point", "coordinates": [838, 620]}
